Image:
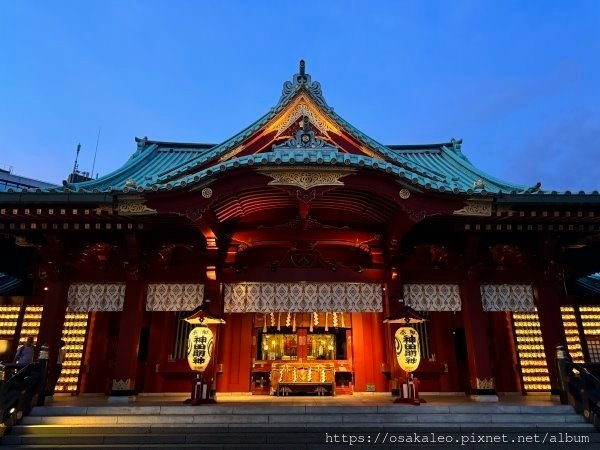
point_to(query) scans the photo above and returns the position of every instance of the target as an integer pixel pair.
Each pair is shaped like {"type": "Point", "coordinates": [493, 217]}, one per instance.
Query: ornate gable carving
{"type": "Point", "coordinates": [478, 207]}
{"type": "Point", "coordinates": [306, 178]}
{"type": "Point", "coordinates": [134, 206]}
{"type": "Point", "coordinates": [298, 110]}
{"type": "Point", "coordinates": [304, 137]}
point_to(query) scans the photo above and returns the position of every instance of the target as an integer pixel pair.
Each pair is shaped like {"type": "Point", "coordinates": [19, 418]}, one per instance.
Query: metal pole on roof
{"type": "Point", "coordinates": [76, 158]}
{"type": "Point", "coordinates": [96, 152]}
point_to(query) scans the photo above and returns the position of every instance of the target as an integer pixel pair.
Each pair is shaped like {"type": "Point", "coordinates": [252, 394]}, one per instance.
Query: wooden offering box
{"type": "Point", "coordinates": [306, 377]}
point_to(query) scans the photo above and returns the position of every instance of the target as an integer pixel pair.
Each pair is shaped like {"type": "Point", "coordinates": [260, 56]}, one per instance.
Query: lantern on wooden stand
{"type": "Point", "coordinates": [408, 352]}
{"type": "Point", "coordinates": [200, 349]}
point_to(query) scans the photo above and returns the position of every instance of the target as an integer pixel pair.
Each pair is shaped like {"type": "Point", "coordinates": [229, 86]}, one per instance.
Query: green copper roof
{"type": "Point", "coordinates": [151, 161]}
{"type": "Point", "coordinates": [166, 165]}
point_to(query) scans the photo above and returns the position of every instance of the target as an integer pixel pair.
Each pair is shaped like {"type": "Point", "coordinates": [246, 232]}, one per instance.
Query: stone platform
{"type": "Point", "coordinates": [294, 422]}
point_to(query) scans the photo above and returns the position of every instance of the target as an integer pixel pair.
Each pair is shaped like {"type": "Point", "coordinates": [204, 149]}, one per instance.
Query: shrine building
{"type": "Point", "coordinates": [303, 234]}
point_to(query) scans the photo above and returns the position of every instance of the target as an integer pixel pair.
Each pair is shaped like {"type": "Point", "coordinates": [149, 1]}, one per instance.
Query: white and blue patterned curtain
{"type": "Point", "coordinates": [174, 297]}
{"type": "Point", "coordinates": [303, 297]}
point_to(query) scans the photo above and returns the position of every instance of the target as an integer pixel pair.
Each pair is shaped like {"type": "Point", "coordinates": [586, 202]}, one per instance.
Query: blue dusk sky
{"type": "Point", "coordinates": [517, 80]}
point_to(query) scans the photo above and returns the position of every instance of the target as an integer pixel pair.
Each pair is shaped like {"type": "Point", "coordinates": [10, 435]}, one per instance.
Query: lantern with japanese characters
{"type": "Point", "coordinates": [408, 351]}
{"type": "Point", "coordinates": [200, 348]}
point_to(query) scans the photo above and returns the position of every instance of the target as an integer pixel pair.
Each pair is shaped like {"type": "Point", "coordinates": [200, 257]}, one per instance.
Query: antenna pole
{"type": "Point", "coordinates": [76, 158]}
{"type": "Point", "coordinates": [96, 151]}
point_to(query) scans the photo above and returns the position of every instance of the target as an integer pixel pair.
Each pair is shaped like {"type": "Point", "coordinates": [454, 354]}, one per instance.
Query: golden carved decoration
{"type": "Point", "coordinates": [485, 383]}
{"type": "Point", "coordinates": [371, 153]}
{"type": "Point", "coordinates": [232, 153]}
{"type": "Point", "coordinates": [404, 194]}
{"type": "Point", "coordinates": [299, 108]}
{"type": "Point", "coordinates": [137, 206]}
{"type": "Point", "coordinates": [121, 385]}
{"type": "Point", "coordinates": [306, 178]}
{"type": "Point", "coordinates": [481, 208]}
{"type": "Point", "coordinates": [207, 192]}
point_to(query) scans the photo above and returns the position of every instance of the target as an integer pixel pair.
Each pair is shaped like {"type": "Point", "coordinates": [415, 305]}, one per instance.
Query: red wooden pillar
{"type": "Point", "coordinates": [367, 351]}
{"type": "Point", "coordinates": [391, 301]}
{"type": "Point", "coordinates": [234, 353]}
{"type": "Point", "coordinates": [158, 349]}
{"type": "Point", "coordinates": [53, 318]}
{"type": "Point", "coordinates": [550, 295]}
{"type": "Point", "coordinates": [213, 297]}
{"type": "Point", "coordinates": [378, 352]}
{"type": "Point", "coordinates": [481, 378]}
{"type": "Point", "coordinates": [124, 375]}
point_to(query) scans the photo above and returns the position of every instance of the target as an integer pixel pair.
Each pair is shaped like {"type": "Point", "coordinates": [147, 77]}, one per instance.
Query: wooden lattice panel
{"type": "Point", "coordinates": [594, 349]}
{"type": "Point", "coordinates": [572, 333]}
{"type": "Point", "coordinates": [590, 319]}
{"type": "Point", "coordinates": [530, 351]}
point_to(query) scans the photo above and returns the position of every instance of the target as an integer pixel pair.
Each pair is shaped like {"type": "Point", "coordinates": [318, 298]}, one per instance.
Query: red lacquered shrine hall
{"type": "Point", "coordinates": [304, 234]}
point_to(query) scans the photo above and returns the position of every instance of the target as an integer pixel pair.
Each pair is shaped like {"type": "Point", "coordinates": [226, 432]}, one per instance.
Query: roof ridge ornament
{"type": "Point", "coordinates": [302, 80]}
{"type": "Point", "coordinates": [536, 188]}
{"type": "Point", "coordinates": [302, 71]}
{"type": "Point", "coordinates": [456, 144]}
{"type": "Point", "coordinates": [141, 143]}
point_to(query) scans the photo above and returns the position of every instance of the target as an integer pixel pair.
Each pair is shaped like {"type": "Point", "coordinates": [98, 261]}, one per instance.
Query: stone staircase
{"type": "Point", "coordinates": [302, 426]}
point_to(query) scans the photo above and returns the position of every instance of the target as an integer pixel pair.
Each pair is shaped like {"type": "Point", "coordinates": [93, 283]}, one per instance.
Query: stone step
{"type": "Point", "coordinates": [269, 427]}
{"type": "Point", "coordinates": [22, 430]}
{"type": "Point", "coordinates": [300, 409]}
{"type": "Point", "coordinates": [266, 439]}
{"type": "Point", "coordinates": [301, 418]}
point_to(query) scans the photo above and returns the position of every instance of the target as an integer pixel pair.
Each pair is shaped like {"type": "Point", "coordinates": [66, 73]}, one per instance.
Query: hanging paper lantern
{"type": "Point", "coordinates": [200, 348]}
{"type": "Point", "coordinates": [408, 350]}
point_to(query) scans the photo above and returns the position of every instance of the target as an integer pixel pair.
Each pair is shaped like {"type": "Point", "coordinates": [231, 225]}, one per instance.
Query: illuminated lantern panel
{"type": "Point", "coordinates": [74, 333]}
{"type": "Point", "coordinates": [572, 333]}
{"type": "Point", "coordinates": [530, 351]}
{"type": "Point", "coordinates": [9, 315]}
{"type": "Point", "coordinates": [408, 349]}
{"type": "Point", "coordinates": [590, 319]}
{"type": "Point", "coordinates": [200, 348]}
{"type": "Point", "coordinates": [31, 323]}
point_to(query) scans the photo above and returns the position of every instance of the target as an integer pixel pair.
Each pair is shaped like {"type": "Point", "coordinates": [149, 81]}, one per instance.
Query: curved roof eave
{"type": "Point", "coordinates": [292, 158]}
{"type": "Point", "coordinates": [449, 170]}
{"type": "Point", "coordinates": [141, 155]}
{"type": "Point", "coordinates": [478, 174]}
